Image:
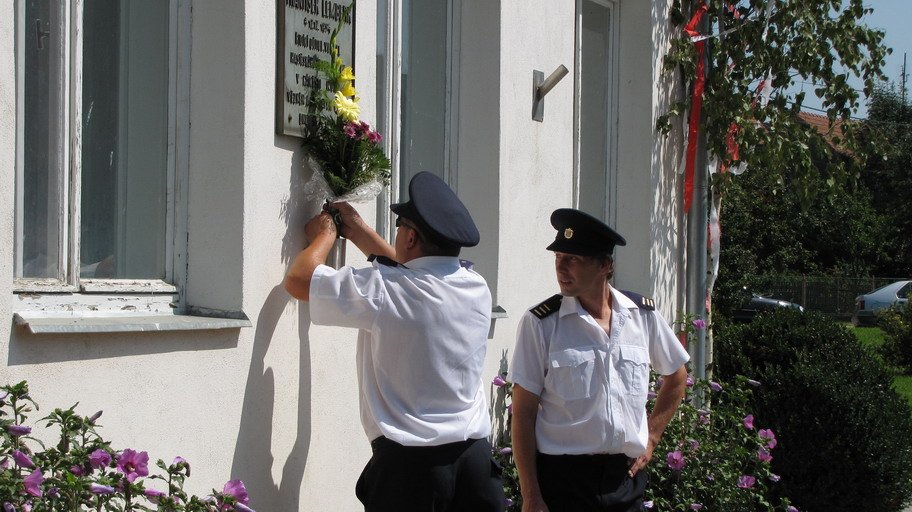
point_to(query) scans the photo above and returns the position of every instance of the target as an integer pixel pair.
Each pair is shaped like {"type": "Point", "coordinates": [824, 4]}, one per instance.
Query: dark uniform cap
{"type": "Point", "coordinates": [582, 234]}
{"type": "Point", "coordinates": [440, 215]}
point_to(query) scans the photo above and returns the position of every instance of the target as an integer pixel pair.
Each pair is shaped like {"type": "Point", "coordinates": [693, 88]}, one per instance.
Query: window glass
{"type": "Point", "coordinates": [903, 292]}
{"type": "Point", "coordinates": [423, 89]}
{"type": "Point", "coordinates": [594, 108]}
{"type": "Point", "coordinates": [41, 187]}
{"type": "Point", "coordinates": [125, 139]}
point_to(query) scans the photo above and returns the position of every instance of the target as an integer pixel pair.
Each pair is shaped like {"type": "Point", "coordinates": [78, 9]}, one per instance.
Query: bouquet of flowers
{"type": "Point", "coordinates": [343, 151]}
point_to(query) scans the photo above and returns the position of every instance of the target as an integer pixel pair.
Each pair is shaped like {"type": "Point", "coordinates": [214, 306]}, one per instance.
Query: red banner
{"type": "Point", "coordinates": [696, 105]}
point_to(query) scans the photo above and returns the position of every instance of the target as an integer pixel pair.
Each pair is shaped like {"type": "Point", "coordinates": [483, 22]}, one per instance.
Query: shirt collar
{"type": "Point", "coordinates": [619, 303]}
{"type": "Point", "coordinates": [434, 263]}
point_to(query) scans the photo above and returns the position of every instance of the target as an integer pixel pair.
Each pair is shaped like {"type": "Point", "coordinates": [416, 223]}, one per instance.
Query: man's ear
{"type": "Point", "coordinates": [412, 239]}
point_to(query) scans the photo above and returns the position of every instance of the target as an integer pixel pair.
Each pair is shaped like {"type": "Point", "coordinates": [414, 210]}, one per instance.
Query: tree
{"type": "Point", "coordinates": [774, 43]}
{"type": "Point", "coordinates": [761, 48]}
{"type": "Point", "coordinates": [889, 177]}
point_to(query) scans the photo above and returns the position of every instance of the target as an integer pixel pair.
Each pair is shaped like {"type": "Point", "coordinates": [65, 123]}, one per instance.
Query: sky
{"type": "Point", "coordinates": [893, 17]}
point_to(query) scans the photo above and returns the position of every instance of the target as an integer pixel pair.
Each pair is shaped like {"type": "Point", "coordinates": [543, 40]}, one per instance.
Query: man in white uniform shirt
{"type": "Point", "coordinates": [580, 369]}
{"type": "Point", "coordinates": [423, 318]}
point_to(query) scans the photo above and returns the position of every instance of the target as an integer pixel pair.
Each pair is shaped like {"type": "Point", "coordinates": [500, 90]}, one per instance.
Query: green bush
{"type": "Point", "coordinates": [896, 323]}
{"type": "Point", "coordinates": [83, 472]}
{"type": "Point", "coordinates": [717, 458]}
{"type": "Point", "coordinates": [845, 435]}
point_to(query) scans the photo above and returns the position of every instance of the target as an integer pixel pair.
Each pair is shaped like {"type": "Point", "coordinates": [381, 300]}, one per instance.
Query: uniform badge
{"type": "Point", "coordinates": [568, 233]}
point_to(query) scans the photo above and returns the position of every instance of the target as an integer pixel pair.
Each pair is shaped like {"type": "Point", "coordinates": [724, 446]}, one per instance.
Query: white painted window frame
{"type": "Point", "coordinates": [610, 213]}
{"type": "Point", "coordinates": [140, 292]}
{"type": "Point", "coordinates": [390, 123]}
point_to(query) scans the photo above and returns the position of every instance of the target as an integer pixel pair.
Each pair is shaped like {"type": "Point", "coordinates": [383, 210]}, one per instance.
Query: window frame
{"type": "Point", "coordinates": [389, 92]}
{"type": "Point", "coordinates": [68, 279]}
{"type": "Point", "coordinates": [610, 213]}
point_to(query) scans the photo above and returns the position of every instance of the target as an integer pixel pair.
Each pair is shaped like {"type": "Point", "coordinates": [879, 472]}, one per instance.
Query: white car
{"type": "Point", "coordinates": [867, 305]}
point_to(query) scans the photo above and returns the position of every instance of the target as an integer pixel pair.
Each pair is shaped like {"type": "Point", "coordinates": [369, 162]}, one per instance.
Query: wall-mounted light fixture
{"type": "Point", "coordinates": [541, 86]}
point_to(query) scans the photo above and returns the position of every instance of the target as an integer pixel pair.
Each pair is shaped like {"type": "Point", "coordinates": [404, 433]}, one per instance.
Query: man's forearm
{"type": "Point", "coordinates": [667, 401]}
{"type": "Point", "coordinates": [298, 278]}
{"type": "Point", "coordinates": [525, 449]}
{"type": "Point", "coordinates": [370, 242]}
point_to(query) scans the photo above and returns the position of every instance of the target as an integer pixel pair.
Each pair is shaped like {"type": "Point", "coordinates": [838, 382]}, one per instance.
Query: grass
{"type": "Point", "coordinates": [873, 337]}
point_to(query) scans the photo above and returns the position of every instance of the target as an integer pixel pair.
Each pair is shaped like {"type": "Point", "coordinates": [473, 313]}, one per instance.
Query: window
{"type": "Point", "coordinates": [596, 108]}
{"type": "Point", "coordinates": [96, 123]}
{"type": "Point", "coordinates": [416, 91]}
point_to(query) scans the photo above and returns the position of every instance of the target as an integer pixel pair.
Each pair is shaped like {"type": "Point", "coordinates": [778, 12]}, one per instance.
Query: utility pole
{"type": "Point", "coordinates": [697, 219]}
{"type": "Point", "coordinates": [902, 84]}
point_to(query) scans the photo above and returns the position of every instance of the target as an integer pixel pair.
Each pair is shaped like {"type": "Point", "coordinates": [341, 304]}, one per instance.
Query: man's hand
{"type": "Point", "coordinates": [322, 223]}
{"type": "Point", "coordinates": [351, 221]}
{"type": "Point", "coordinates": [641, 461]}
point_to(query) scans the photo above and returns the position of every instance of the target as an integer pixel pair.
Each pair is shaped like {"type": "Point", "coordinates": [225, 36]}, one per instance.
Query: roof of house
{"type": "Point", "coordinates": [822, 124]}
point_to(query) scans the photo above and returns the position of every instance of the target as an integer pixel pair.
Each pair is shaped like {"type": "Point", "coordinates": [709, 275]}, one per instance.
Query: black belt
{"type": "Point", "coordinates": [383, 442]}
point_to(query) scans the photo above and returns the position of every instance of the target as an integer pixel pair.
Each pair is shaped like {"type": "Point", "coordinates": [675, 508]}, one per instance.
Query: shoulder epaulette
{"type": "Point", "coordinates": [641, 302]}
{"type": "Point", "coordinates": [383, 260]}
{"type": "Point", "coordinates": [547, 307]}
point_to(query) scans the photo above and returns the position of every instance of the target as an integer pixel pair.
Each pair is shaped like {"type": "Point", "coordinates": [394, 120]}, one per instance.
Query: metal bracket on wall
{"type": "Point", "coordinates": [542, 86]}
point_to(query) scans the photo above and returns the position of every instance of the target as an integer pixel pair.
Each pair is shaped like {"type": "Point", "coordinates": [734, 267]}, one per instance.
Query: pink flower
{"type": "Point", "coordinates": [690, 381]}
{"type": "Point", "coordinates": [703, 416]}
{"type": "Point", "coordinates": [22, 460]}
{"type": "Point", "coordinates": [93, 418]}
{"type": "Point", "coordinates": [675, 460]}
{"type": "Point", "coordinates": [774, 477]}
{"type": "Point", "coordinates": [32, 483]}
{"type": "Point", "coordinates": [752, 382]}
{"type": "Point", "coordinates": [506, 451]}
{"type": "Point", "coordinates": [715, 386]}
{"type": "Point", "coordinates": [767, 433]}
{"type": "Point", "coordinates": [18, 430]}
{"type": "Point", "coordinates": [746, 481]}
{"type": "Point", "coordinates": [699, 324]}
{"type": "Point", "coordinates": [792, 509]}
{"type": "Point", "coordinates": [236, 489]}
{"type": "Point", "coordinates": [133, 464]}
{"type": "Point", "coordinates": [100, 489]}
{"type": "Point", "coordinates": [749, 422]}
{"type": "Point", "coordinates": [498, 381]}
{"type": "Point", "coordinates": [374, 137]}
{"type": "Point", "coordinates": [351, 131]}
{"type": "Point", "coordinates": [696, 506]}
{"type": "Point", "coordinates": [99, 458]}
{"type": "Point", "coordinates": [153, 494]}
{"type": "Point", "coordinates": [694, 444]}
{"type": "Point", "coordinates": [77, 470]}
{"type": "Point", "coordinates": [364, 127]}
{"type": "Point", "coordinates": [764, 455]}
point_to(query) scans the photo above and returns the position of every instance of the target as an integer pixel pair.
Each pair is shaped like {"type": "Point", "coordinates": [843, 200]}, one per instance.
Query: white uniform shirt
{"type": "Point", "coordinates": [421, 346]}
{"type": "Point", "coordinates": [592, 389]}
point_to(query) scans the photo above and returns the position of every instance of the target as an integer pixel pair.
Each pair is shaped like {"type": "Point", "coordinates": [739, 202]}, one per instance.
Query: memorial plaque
{"type": "Point", "coordinates": [304, 29]}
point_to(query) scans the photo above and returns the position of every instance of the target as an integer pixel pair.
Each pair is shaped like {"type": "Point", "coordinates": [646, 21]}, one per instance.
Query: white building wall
{"type": "Point", "coordinates": [276, 405]}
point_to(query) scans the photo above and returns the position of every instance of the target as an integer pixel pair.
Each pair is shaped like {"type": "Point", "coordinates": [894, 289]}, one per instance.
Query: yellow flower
{"type": "Point", "coordinates": [347, 109]}
{"type": "Point", "coordinates": [347, 74]}
{"type": "Point", "coordinates": [348, 90]}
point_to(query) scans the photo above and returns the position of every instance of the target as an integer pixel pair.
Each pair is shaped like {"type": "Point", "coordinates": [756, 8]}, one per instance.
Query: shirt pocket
{"type": "Point", "coordinates": [570, 375]}
{"type": "Point", "coordinates": [633, 367]}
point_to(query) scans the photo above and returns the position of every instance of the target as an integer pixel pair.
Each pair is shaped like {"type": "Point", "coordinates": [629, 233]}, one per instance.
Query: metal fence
{"type": "Point", "coordinates": [829, 295]}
